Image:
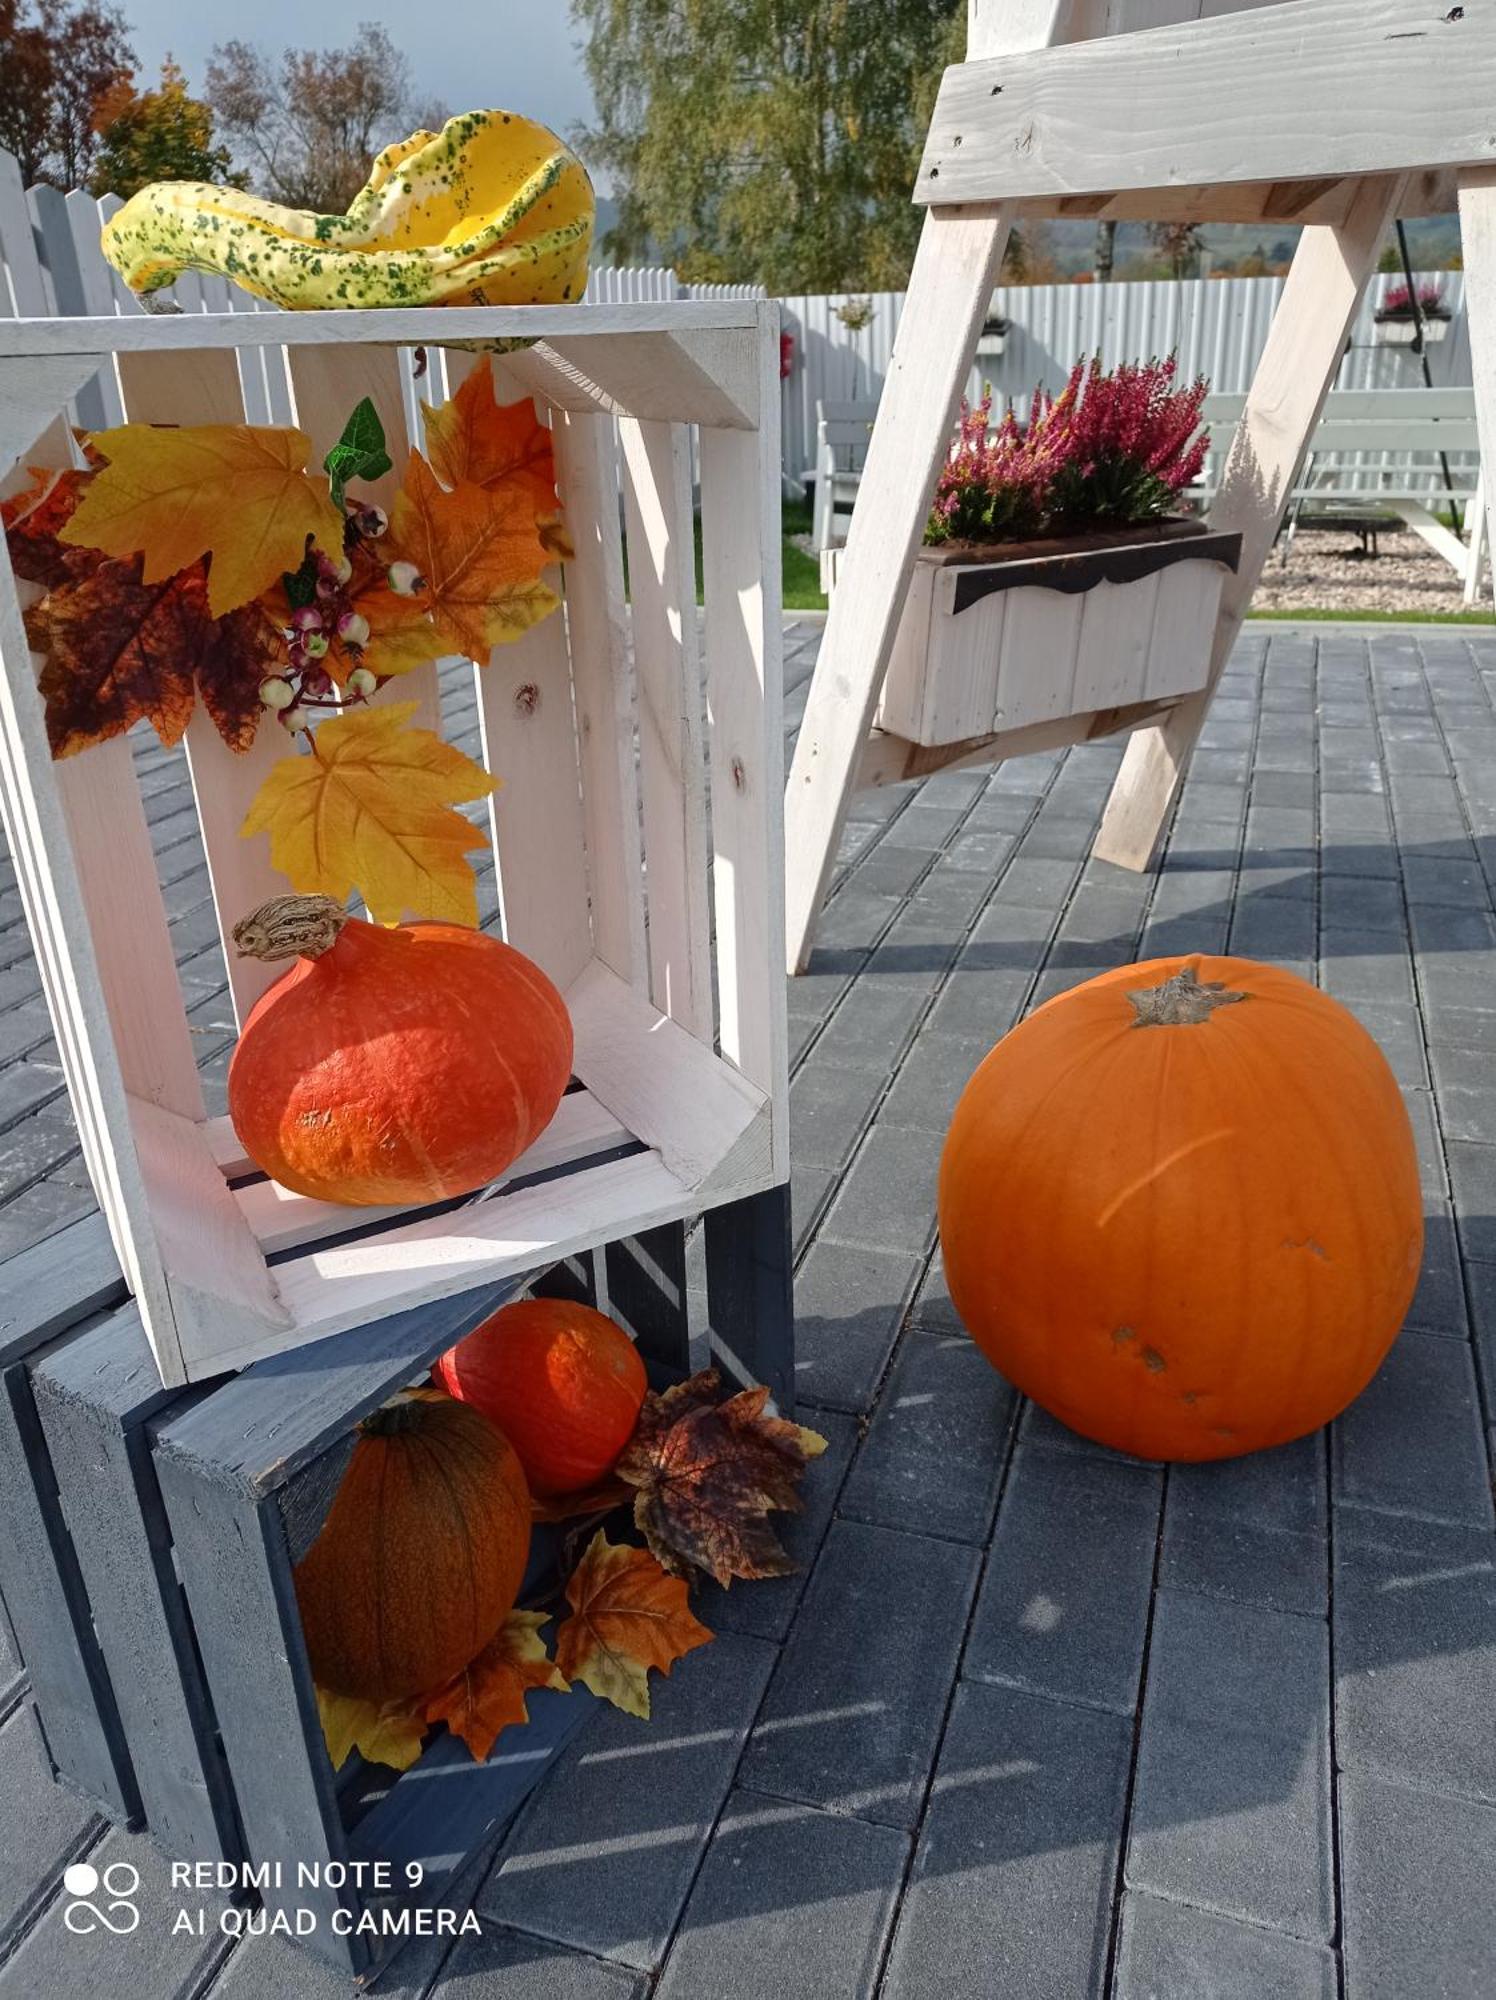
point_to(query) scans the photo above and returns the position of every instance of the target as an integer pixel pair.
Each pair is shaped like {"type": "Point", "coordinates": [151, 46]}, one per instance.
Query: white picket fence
{"type": "Point", "coordinates": [49, 244]}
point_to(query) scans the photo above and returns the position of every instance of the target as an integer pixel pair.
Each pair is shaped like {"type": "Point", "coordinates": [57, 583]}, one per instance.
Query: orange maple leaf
{"type": "Point", "coordinates": [627, 1616]}
{"type": "Point", "coordinates": [32, 519]}
{"type": "Point", "coordinates": [708, 1471]}
{"type": "Point", "coordinates": [489, 1694]}
{"type": "Point", "coordinates": [481, 555]}
{"type": "Point", "coordinates": [474, 440]}
{"type": "Point", "coordinates": [239, 493]}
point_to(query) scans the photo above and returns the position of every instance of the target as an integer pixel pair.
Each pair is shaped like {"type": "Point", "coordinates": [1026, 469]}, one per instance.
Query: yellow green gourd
{"type": "Point", "coordinates": [492, 210]}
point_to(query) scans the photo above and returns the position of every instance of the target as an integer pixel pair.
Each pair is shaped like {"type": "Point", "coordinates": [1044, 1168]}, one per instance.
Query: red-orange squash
{"type": "Point", "coordinates": [422, 1553]}
{"type": "Point", "coordinates": [563, 1383]}
{"type": "Point", "coordinates": [1179, 1207]}
{"type": "Point", "coordinates": [390, 1066]}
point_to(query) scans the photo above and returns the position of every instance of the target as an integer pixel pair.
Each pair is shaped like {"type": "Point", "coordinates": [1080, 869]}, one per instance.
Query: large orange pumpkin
{"type": "Point", "coordinates": [390, 1066]}
{"type": "Point", "coordinates": [422, 1553]}
{"type": "Point", "coordinates": [562, 1382]}
{"type": "Point", "coordinates": [1179, 1207]}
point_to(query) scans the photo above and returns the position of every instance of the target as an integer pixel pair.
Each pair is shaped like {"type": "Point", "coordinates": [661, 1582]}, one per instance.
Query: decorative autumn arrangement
{"type": "Point", "coordinates": [392, 1065]}
{"type": "Point", "coordinates": [1058, 577]}
{"type": "Point", "coordinates": [492, 210]}
{"type": "Point", "coordinates": [408, 1594]}
{"type": "Point", "coordinates": [1180, 1207]}
{"type": "Point", "coordinates": [563, 1382]}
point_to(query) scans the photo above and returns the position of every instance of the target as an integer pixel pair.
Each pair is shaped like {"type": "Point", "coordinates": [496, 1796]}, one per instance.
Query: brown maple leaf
{"type": "Point", "coordinates": [32, 519]}
{"type": "Point", "coordinates": [489, 1694]}
{"type": "Point", "coordinates": [708, 1473]}
{"type": "Point", "coordinates": [627, 1616]}
{"type": "Point", "coordinates": [119, 649]}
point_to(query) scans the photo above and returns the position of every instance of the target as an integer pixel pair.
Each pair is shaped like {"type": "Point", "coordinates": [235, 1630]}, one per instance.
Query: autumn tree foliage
{"type": "Point", "coordinates": [60, 66]}
{"type": "Point", "coordinates": [157, 135]}
{"type": "Point", "coordinates": [308, 126]}
{"type": "Point", "coordinates": [770, 140]}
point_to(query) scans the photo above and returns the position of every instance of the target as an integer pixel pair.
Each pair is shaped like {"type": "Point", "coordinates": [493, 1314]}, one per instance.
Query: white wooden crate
{"type": "Point", "coordinates": [638, 829]}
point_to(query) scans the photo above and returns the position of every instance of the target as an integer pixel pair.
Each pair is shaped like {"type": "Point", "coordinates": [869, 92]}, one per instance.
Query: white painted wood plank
{"type": "Point", "coordinates": [23, 267]}
{"type": "Point", "coordinates": [602, 689]}
{"type": "Point", "coordinates": [1303, 352]}
{"type": "Point", "coordinates": [1231, 99]}
{"type": "Point", "coordinates": [741, 573]}
{"type": "Point", "coordinates": [1189, 599]}
{"type": "Point", "coordinates": [1478, 237]}
{"type": "Point", "coordinates": [1111, 665]}
{"type": "Point", "coordinates": [901, 705]}
{"type": "Point", "coordinates": [1041, 642]}
{"type": "Point", "coordinates": [659, 378]}
{"type": "Point", "coordinates": [279, 1219]}
{"type": "Point", "coordinates": [656, 461]}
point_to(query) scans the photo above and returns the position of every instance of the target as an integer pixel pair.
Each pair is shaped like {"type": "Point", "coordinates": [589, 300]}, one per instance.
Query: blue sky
{"type": "Point", "coordinates": [470, 54]}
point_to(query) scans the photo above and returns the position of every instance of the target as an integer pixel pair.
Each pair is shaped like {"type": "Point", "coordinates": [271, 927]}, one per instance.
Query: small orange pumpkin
{"type": "Point", "coordinates": [410, 1064]}
{"type": "Point", "coordinates": [422, 1553]}
{"type": "Point", "coordinates": [1180, 1207]}
{"type": "Point", "coordinates": [563, 1383]}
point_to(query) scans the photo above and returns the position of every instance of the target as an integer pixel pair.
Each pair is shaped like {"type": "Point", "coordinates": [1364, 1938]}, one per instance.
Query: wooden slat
{"type": "Point", "coordinates": [597, 632]}
{"type": "Point", "coordinates": [749, 1260]}
{"type": "Point", "coordinates": [279, 1219]}
{"type": "Point", "coordinates": [22, 264]}
{"type": "Point", "coordinates": [1478, 235]}
{"type": "Point", "coordinates": [673, 379]}
{"type": "Point", "coordinates": [1220, 101]}
{"type": "Point", "coordinates": [1116, 634]}
{"type": "Point", "coordinates": [49, 210]}
{"type": "Point", "coordinates": [672, 756]}
{"type": "Point", "coordinates": [1041, 643]}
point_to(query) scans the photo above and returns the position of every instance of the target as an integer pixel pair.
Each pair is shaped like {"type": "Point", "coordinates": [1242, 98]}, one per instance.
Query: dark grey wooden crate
{"type": "Point", "coordinates": [169, 1523]}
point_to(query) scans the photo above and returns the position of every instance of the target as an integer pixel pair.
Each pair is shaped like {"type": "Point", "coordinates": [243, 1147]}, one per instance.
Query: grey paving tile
{"type": "Point", "coordinates": [1362, 903]}
{"type": "Point", "coordinates": [809, 1187]}
{"type": "Point", "coordinates": [1419, 1914]}
{"type": "Point", "coordinates": [1171, 1951]}
{"type": "Point", "coordinates": [1431, 1166]}
{"type": "Point", "coordinates": [871, 1026]}
{"type": "Point", "coordinates": [1012, 1883]}
{"type": "Point", "coordinates": [1364, 965]}
{"type": "Point", "coordinates": [1439, 1302]}
{"type": "Point", "coordinates": [1063, 1608]}
{"type": "Point", "coordinates": [930, 1080]}
{"type": "Point", "coordinates": [42, 1826]}
{"type": "Point", "coordinates": [506, 1965]}
{"type": "Point", "coordinates": [828, 1109]}
{"type": "Point", "coordinates": [1465, 1087]}
{"type": "Point", "coordinates": [766, 1608]}
{"type": "Point", "coordinates": [849, 1306]}
{"type": "Point", "coordinates": [790, 1904]}
{"type": "Point", "coordinates": [1038, 1428]}
{"type": "Point", "coordinates": [934, 1310]}
{"type": "Point", "coordinates": [1415, 1651]}
{"type": "Point", "coordinates": [1251, 1529]}
{"type": "Point", "coordinates": [1036, 881]}
{"type": "Point", "coordinates": [979, 1006]}
{"type": "Point", "coordinates": [982, 849]}
{"type": "Point", "coordinates": [935, 1452]}
{"type": "Point", "coordinates": [604, 1857]}
{"type": "Point", "coordinates": [1231, 1806]}
{"type": "Point", "coordinates": [887, 1197]}
{"type": "Point", "coordinates": [1411, 1442]}
{"type": "Point", "coordinates": [854, 1712]}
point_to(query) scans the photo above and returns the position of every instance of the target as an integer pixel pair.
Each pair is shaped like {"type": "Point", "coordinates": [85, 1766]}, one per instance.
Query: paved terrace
{"type": "Point", "coordinates": [1037, 1720]}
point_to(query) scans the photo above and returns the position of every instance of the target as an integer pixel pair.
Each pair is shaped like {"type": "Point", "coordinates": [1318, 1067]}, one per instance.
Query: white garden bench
{"type": "Point", "coordinates": [842, 433]}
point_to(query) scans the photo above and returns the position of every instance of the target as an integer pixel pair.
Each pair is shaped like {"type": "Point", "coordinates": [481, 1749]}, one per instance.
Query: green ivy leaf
{"type": "Point", "coordinates": [360, 453]}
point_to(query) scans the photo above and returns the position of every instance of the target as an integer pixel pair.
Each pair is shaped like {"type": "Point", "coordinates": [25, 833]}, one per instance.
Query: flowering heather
{"type": "Point", "coordinates": [1111, 450]}
{"type": "Point", "coordinates": [1399, 300]}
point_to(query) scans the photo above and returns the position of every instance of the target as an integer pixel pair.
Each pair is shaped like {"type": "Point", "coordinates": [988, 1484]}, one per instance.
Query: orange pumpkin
{"type": "Point", "coordinates": [389, 1066]}
{"type": "Point", "coordinates": [1180, 1208]}
{"type": "Point", "coordinates": [422, 1553]}
{"type": "Point", "coordinates": [563, 1383]}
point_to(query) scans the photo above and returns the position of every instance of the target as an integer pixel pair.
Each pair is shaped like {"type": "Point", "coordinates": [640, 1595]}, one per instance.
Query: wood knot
{"type": "Point", "coordinates": [527, 698]}
{"type": "Point", "coordinates": [739, 775]}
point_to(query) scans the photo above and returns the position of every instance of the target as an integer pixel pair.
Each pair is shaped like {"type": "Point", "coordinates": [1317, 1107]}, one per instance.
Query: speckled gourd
{"type": "Point", "coordinates": [492, 210]}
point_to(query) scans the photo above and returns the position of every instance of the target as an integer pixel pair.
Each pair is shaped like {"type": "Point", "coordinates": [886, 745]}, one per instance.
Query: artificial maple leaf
{"type": "Point", "coordinates": [32, 519]}
{"type": "Point", "coordinates": [489, 1694]}
{"type": "Point", "coordinates": [119, 650]}
{"type": "Point", "coordinates": [706, 1475]}
{"type": "Point", "coordinates": [600, 1499]}
{"type": "Point", "coordinates": [627, 1616]}
{"type": "Point", "coordinates": [473, 439]}
{"type": "Point", "coordinates": [481, 556]}
{"type": "Point", "coordinates": [370, 807]}
{"type": "Point", "coordinates": [237, 492]}
{"type": "Point", "coordinates": [382, 1732]}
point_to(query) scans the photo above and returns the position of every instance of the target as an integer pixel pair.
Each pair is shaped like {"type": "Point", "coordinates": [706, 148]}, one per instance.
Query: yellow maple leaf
{"type": "Point", "coordinates": [383, 1732]}
{"type": "Point", "coordinates": [238, 492]}
{"type": "Point", "coordinates": [371, 808]}
{"type": "Point", "coordinates": [627, 1616]}
{"type": "Point", "coordinates": [489, 1694]}
{"type": "Point", "coordinates": [480, 553]}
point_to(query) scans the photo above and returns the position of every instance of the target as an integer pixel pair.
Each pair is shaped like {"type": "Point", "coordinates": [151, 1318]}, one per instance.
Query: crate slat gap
{"type": "Point", "coordinates": [665, 964]}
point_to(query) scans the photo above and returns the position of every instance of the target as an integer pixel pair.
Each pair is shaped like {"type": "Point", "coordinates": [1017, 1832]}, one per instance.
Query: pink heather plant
{"type": "Point", "coordinates": [1111, 450]}
{"type": "Point", "coordinates": [1399, 300]}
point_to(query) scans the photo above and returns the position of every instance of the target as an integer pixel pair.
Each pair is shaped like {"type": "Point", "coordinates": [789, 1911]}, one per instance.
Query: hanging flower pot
{"type": "Point", "coordinates": [1396, 322]}
{"type": "Point", "coordinates": [993, 338]}
{"type": "Point", "coordinates": [1059, 581]}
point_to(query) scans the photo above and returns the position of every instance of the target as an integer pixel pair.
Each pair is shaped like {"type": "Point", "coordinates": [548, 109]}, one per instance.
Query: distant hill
{"type": "Point", "coordinates": [1432, 241]}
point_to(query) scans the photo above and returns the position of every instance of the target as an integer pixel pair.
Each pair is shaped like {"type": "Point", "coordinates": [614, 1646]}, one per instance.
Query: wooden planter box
{"type": "Point", "coordinates": [1035, 633]}
{"type": "Point", "coordinates": [148, 1565]}
{"type": "Point", "coordinates": [654, 911]}
{"type": "Point", "coordinates": [1401, 330]}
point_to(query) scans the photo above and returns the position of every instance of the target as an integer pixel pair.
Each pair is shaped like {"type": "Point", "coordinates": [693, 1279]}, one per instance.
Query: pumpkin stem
{"type": "Point", "coordinates": [290, 927]}
{"type": "Point", "coordinates": [1180, 1002]}
{"type": "Point", "coordinates": [402, 1413]}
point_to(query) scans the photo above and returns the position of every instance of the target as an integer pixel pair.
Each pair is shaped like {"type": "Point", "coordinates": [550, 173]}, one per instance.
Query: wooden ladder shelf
{"type": "Point", "coordinates": [1334, 114]}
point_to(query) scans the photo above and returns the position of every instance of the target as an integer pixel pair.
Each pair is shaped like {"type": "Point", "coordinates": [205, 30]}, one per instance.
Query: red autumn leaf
{"type": "Point", "coordinates": [119, 650]}
{"type": "Point", "coordinates": [708, 1473]}
{"type": "Point", "coordinates": [489, 1694]}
